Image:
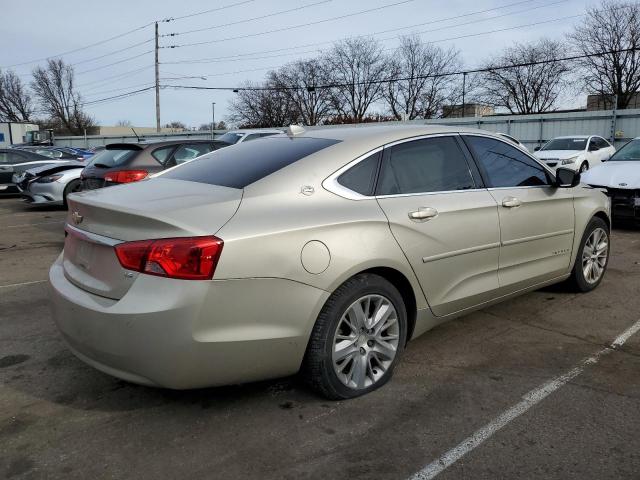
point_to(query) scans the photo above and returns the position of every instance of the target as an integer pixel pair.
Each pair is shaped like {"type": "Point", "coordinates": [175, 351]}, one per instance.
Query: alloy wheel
{"type": "Point", "coordinates": [366, 341]}
{"type": "Point", "coordinates": [594, 255]}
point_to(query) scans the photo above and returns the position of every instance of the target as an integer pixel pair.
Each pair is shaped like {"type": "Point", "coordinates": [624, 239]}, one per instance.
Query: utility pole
{"type": "Point", "coordinates": [464, 88]}
{"type": "Point", "coordinates": [213, 119]}
{"type": "Point", "coordinates": [157, 84]}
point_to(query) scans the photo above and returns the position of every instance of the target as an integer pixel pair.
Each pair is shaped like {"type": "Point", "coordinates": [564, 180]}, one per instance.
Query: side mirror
{"type": "Point", "coordinates": [536, 149]}
{"type": "Point", "coordinates": [567, 178]}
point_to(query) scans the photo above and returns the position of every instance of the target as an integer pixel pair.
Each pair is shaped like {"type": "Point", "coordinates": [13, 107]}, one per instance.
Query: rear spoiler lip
{"type": "Point", "coordinates": [125, 146]}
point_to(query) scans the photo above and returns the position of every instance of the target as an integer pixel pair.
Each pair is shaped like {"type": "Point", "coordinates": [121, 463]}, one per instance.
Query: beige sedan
{"type": "Point", "coordinates": [321, 252]}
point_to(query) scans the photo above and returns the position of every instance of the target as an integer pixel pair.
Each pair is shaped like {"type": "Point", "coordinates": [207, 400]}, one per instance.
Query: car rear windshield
{"type": "Point", "coordinates": [630, 152]}
{"type": "Point", "coordinates": [112, 158]}
{"type": "Point", "coordinates": [245, 163]}
{"type": "Point", "coordinates": [566, 144]}
{"type": "Point", "coordinates": [230, 137]}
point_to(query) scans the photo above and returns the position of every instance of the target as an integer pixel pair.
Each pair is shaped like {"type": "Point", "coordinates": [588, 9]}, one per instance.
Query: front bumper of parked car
{"type": "Point", "coordinates": [625, 203]}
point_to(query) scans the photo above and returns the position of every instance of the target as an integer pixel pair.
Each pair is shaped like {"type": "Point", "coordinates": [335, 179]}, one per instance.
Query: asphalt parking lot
{"type": "Point", "coordinates": [62, 419]}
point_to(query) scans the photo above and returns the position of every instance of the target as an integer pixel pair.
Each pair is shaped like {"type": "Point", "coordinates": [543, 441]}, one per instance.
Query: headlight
{"type": "Point", "coordinates": [49, 178]}
{"type": "Point", "coordinates": [569, 160]}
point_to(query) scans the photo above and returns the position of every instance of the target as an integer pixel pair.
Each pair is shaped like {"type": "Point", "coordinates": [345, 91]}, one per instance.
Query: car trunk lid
{"type": "Point", "coordinates": [150, 209]}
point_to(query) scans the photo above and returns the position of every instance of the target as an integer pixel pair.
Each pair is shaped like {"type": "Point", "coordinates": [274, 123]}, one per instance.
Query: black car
{"type": "Point", "coordinates": [55, 153]}
{"type": "Point", "coordinates": [13, 164]}
{"type": "Point", "coordinates": [130, 162]}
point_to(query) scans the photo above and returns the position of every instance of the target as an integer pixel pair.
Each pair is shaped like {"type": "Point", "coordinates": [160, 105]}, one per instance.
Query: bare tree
{"type": "Point", "coordinates": [424, 84]}
{"type": "Point", "coordinates": [313, 105]}
{"type": "Point", "coordinates": [530, 88]}
{"type": "Point", "coordinates": [55, 89]}
{"type": "Point", "coordinates": [356, 67]}
{"type": "Point", "coordinates": [15, 101]}
{"type": "Point", "coordinates": [175, 125]}
{"type": "Point", "coordinates": [612, 27]}
{"type": "Point", "coordinates": [262, 105]}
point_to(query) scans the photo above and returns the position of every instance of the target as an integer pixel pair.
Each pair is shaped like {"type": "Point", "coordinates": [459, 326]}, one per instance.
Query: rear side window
{"type": "Point", "coordinates": [112, 158]}
{"type": "Point", "coordinates": [162, 154]}
{"type": "Point", "coordinates": [422, 166]}
{"type": "Point", "coordinates": [189, 152]}
{"type": "Point", "coordinates": [361, 177]}
{"type": "Point", "coordinates": [245, 163]}
{"type": "Point", "coordinates": [506, 166]}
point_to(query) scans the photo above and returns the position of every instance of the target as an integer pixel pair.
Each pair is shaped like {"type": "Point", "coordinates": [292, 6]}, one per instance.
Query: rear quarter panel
{"type": "Point", "coordinates": [587, 203]}
{"type": "Point", "coordinates": [267, 235]}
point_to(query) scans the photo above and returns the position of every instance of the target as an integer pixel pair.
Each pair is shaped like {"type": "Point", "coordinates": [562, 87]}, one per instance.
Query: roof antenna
{"type": "Point", "coordinates": [134, 132]}
{"type": "Point", "coordinates": [294, 130]}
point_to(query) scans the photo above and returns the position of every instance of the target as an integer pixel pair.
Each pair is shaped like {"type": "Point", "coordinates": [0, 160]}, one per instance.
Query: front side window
{"type": "Point", "coordinates": [422, 166]}
{"type": "Point", "coordinates": [506, 166]}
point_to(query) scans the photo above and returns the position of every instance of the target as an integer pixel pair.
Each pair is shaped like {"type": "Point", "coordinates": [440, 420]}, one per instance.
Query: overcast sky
{"type": "Point", "coordinates": [48, 29]}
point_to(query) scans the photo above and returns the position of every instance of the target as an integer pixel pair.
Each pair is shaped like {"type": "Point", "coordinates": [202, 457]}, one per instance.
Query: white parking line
{"type": "Point", "coordinates": [33, 224]}
{"type": "Point", "coordinates": [22, 284]}
{"type": "Point", "coordinates": [528, 400]}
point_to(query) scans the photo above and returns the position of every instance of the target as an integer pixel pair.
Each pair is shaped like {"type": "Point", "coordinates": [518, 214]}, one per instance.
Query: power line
{"type": "Point", "coordinates": [292, 27]}
{"type": "Point", "coordinates": [114, 63]}
{"type": "Point", "coordinates": [399, 36]}
{"type": "Point", "coordinates": [114, 77]}
{"type": "Point", "coordinates": [229, 57]}
{"type": "Point", "coordinates": [172, 19]}
{"type": "Point", "coordinates": [68, 52]}
{"type": "Point", "coordinates": [221, 25]}
{"type": "Point", "coordinates": [112, 53]}
{"type": "Point", "coordinates": [415, 77]}
{"type": "Point", "coordinates": [120, 35]}
{"type": "Point", "coordinates": [122, 95]}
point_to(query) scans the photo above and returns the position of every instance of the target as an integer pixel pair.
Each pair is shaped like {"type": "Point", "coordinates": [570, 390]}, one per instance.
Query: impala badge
{"type": "Point", "coordinates": [77, 218]}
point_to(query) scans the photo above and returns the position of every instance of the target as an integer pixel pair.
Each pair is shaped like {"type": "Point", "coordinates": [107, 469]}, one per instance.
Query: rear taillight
{"type": "Point", "coordinates": [188, 258]}
{"type": "Point", "coordinates": [126, 176]}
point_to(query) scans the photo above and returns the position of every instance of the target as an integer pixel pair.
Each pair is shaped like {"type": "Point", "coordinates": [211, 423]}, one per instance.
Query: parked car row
{"type": "Point", "coordinates": [46, 175]}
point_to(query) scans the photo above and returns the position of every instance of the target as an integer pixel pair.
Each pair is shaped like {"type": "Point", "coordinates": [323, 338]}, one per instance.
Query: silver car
{"type": "Point", "coordinates": [322, 252]}
{"type": "Point", "coordinates": [50, 184]}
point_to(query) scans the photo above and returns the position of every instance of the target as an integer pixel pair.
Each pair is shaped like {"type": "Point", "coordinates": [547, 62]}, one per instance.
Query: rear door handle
{"type": "Point", "coordinates": [423, 214]}
{"type": "Point", "coordinates": [511, 202]}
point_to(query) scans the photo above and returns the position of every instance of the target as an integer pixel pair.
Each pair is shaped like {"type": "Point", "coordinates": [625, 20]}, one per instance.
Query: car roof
{"type": "Point", "coordinates": [144, 145]}
{"type": "Point", "coordinates": [576, 136]}
{"type": "Point", "coordinates": [256, 130]}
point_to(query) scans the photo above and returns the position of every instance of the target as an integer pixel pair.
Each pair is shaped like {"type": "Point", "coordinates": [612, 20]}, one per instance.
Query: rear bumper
{"type": "Point", "coordinates": [181, 334]}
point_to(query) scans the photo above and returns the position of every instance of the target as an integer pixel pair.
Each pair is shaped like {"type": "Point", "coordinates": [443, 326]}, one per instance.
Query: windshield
{"type": "Point", "coordinates": [630, 152]}
{"type": "Point", "coordinates": [230, 137]}
{"type": "Point", "coordinates": [111, 158]}
{"type": "Point", "coordinates": [566, 144]}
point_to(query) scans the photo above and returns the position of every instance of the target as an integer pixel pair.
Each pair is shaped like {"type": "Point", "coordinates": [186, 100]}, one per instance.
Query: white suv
{"type": "Point", "coordinates": [578, 152]}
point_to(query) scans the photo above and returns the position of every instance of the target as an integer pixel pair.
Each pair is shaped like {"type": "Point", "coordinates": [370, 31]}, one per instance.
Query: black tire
{"type": "Point", "coordinates": [578, 281]}
{"type": "Point", "coordinates": [317, 368]}
{"type": "Point", "coordinates": [584, 167]}
{"type": "Point", "coordinates": [72, 186]}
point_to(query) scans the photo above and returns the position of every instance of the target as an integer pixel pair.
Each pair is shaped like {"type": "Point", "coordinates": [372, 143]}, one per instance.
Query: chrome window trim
{"type": "Point", "coordinates": [331, 182]}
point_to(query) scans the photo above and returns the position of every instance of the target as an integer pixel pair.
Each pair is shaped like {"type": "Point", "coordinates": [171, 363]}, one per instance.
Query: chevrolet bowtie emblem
{"type": "Point", "coordinates": [77, 218]}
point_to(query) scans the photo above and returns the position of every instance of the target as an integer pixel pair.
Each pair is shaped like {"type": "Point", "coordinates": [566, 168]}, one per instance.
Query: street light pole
{"type": "Point", "coordinates": [213, 118]}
